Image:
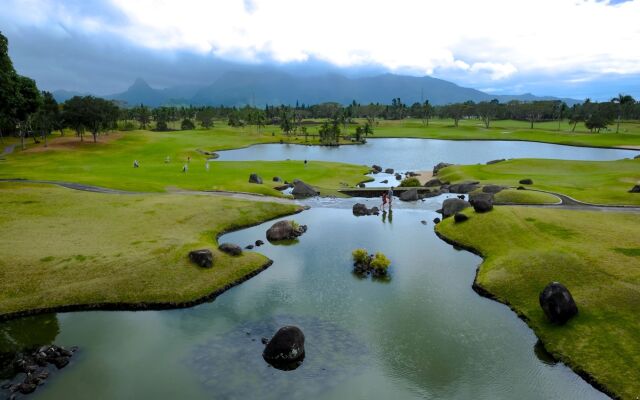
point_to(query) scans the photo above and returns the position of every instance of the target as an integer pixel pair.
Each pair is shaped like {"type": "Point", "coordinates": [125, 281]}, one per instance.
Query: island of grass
{"type": "Point", "coordinates": [162, 155]}
{"type": "Point", "coordinates": [598, 182]}
{"type": "Point", "coordinates": [595, 254]}
{"type": "Point", "coordinates": [65, 248]}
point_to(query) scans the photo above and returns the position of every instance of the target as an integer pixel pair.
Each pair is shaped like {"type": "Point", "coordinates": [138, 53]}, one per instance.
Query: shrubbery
{"type": "Point", "coordinates": [410, 182]}
{"type": "Point", "coordinates": [364, 263]}
{"type": "Point", "coordinates": [187, 125]}
{"type": "Point", "coordinates": [380, 262]}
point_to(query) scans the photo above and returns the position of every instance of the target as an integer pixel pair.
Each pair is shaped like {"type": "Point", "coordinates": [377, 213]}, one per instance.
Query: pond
{"type": "Point", "coordinates": [423, 333]}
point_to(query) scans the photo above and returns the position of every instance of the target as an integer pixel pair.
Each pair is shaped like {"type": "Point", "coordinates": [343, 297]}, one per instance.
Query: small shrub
{"type": "Point", "coordinates": [360, 256]}
{"type": "Point", "coordinates": [410, 182]}
{"type": "Point", "coordinates": [162, 126]}
{"type": "Point", "coordinates": [380, 262]}
{"type": "Point", "coordinates": [187, 125]}
{"type": "Point", "coordinates": [295, 225]}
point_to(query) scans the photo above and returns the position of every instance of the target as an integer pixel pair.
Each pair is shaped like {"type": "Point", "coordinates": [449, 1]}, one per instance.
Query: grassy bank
{"type": "Point", "coordinates": [63, 247]}
{"type": "Point", "coordinates": [595, 254]}
{"type": "Point", "coordinates": [514, 196]}
{"type": "Point", "coordinates": [602, 182]}
{"type": "Point", "coordinates": [109, 163]}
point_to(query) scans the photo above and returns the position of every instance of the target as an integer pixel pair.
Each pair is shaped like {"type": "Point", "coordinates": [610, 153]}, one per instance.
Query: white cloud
{"type": "Point", "coordinates": [490, 39]}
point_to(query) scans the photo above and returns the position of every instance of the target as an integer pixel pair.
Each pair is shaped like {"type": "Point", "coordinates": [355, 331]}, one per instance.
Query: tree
{"type": "Point", "coordinates": [187, 125]}
{"type": "Point", "coordinates": [285, 121]}
{"type": "Point", "coordinates": [487, 111]}
{"type": "Point", "coordinates": [205, 117]}
{"type": "Point", "coordinates": [48, 116]}
{"type": "Point", "coordinates": [427, 110]}
{"type": "Point", "coordinates": [142, 115]}
{"type": "Point", "coordinates": [330, 132]}
{"type": "Point", "coordinates": [623, 102]}
{"type": "Point", "coordinates": [27, 103]}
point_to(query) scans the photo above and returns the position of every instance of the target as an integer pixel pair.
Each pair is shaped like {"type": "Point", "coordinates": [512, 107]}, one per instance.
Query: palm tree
{"type": "Point", "coordinates": [622, 101]}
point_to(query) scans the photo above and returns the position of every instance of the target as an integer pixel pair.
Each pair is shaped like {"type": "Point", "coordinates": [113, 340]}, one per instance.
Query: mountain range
{"type": "Point", "coordinates": [262, 86]}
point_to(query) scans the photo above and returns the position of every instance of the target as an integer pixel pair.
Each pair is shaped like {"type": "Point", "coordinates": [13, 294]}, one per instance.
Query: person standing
{"type": "Point", "coordinates": [384, 200]}
{"type": "Point", "coordinates": [390, 196]}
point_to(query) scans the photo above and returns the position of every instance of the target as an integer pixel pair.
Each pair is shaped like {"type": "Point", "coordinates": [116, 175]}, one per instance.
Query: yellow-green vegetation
{"type": "Point", "coordinates": [360, 256]}
{"type": "Point", "coordinates": [410, 182]}
{"type": "Point", "coordinates": [109, 163]}
{"type": "Point", "coordinates": [548, 132]}
{"type": "Point", "coordinates": [513, 196]}
{"type": "Point", "coordinates": [601, 182]}
{"type": "Point", "coordinates": [380, 262]}
{"type": "Point", "coordinates": [596, 255]}
{"type": "Point", "coordinates": [64, 247]}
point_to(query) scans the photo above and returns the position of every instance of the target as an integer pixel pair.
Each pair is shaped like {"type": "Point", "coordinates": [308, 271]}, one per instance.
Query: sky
{"type": "Point", "coordinates": [564, 48]}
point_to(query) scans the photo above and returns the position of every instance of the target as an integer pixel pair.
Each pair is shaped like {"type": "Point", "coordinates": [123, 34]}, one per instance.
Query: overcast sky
{"type": "Point", "coordinates": [569, 48]}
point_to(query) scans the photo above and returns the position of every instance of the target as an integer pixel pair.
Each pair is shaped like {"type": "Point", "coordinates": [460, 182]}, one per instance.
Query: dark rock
{"type": "Point", "coordinates": [495, 161]}
{"type": "Point", "coordinates": [301, 189]}
{"type": "Point", "coordinates": [255, 178]}
{"type": "Point", "coordinates": [635, 189]}
{"type": "Point", "coordinates": [436, 220]}
{"type": "Point", "coordinates": [461, 196]}
{"type": "Point", "coordinates": [389, 171]}
{"type": "Point", "coordinates": [411, 174]}
{"type": "Point", "coordinates": [460, 217]}
{"type": "Point", "coordinates": [385, 181]}
{"type": "Point", "coordinates": [376, 168]}
{"type": "Point", "coordinates": [375, 211]}
{"type": "Point", "coordinates": [60, 362]}
{"type": "Point", "coordinates": [433, 182]}
{"type": "Point", "coordinates": [398, 177]}
{"type": "Point", "coordinates": [423, 222]}
{"type": "Point", "coordinates": [230, 248]}
{"type": "Point", "coordinates": [452, 206]}
{"type": "Point", "coordinates": [439, 166]}
{"type": "Point", "coordinates": [259, 242]}
{"type": "Point", "coordinates": [481, 202]}
{"type": "Point", "coordinates": [557, 303]}
{"type": "Point", "coordinates": [360, 210]}
{"type": "Point", "coordinates": [248, 247]}
{"type": "Point", "coordinates": [521, 188]}
{"type": "Point", "coordinates": [26, 388]}
{"type": "Point", "coordinates": [277, 179]}
{"type": "Point", "coordinates": [492, 188]}
{"type": "Point", "coordinates": [285, 230]}
{"type": "Point", "coordinates": [464, 187]}
{"type": "Point", "coordinates": [285, 350]}
{"type": "Point", "coordinates": [203, 258]}
{"type": "Point", "coordinates": [409, 195]}
{"type": "Point", "coordinates": [526, 181]}
{"type": "Point", "coordinates": [264, 340]}
{"type": "Point", "coordinates": [361, 185]}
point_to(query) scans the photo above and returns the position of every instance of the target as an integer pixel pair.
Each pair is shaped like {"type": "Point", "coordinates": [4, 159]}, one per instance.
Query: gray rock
{"type": "Point", "coordinates": [285, 350]}
{"type": "Point", "coordinates": [376, 168]}
{"type": "Point", "coordinates": [409, 195]}
{"type": "Point", "coordinates": [452, 206]}
{"type": "Point", "coordinates": [635, 189]}
{"type": "Point", "coordinates": [248, 247]}
{"type": "Point", "coordinates": [202, 258]}
{"type": "Point", "coordinates": [285, 230]}
{"type": "Point", "coordinates": [385, 181]}
{"type": "Point", "coordinates": [255, 178]}
{"type": "Point", "coordinates": [301, 189]}
{"type": "Point", "coordinates": [389, 171]}
{"type": "Point", "coordinates": [277, 179]}
{"type": "Point", "coordinates": [398, 177]}
{"type": "Point", "coordinates": [460, 217]}
{"type": "Point", "coordinates": [230, 248]}
{"type": "Point", "coordinates": [481, 202]}
{"type": "Point", "coordinates": [259, 243]}
{"type": "Point", "coordinates": [439, 166]}
{"type": "Point", "coordinates": [557, 303]}
{"type": "Point", "coordinates": [433, 182]}
{"type": "Point", "coordinates": [493, 188]}
{"type": "Point", "coordinates": [464, 187]}
{"type": "Point", "coordinates": [526, 181]}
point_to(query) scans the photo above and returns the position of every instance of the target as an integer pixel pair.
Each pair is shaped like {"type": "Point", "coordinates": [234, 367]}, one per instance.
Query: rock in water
{"type": "Point", "coordinates": [452, 206]}
{"type": "Point", "coordinates": [398, 177]}
{"type": "Point", "coordinates": [436, 220]}
{"type": "Point", "coordinates": [360, 210]}
{"type": "Point", "coordinates": [285, 350]}
{"type": "Point", "coordinates": [389, 171]}
{"type": "Point", "coordinates": [409, 195]}
{"type": "Point", "coordinates": [557, 303]}
{"type": "Point", "coordinates": [460, 217]}
{"type": "Point", "coordinates": [301, 189]}
{"type": "Point", "coordinates": [230, 248]}
{"type": "Point", "coordinates": [285, 230]}
{"type": "Point", "coordinates": [255, 178]}
{"type": "Point", "coordinates": [526, 181]}
{"type": "Point", "coordinates": [376, 168]}
{"type": "Point", "coordinates": [203, 258]}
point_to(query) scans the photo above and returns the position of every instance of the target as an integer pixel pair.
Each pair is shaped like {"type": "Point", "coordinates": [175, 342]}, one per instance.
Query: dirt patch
{"type": "Point", "coordinates": [424, 176]}
{"type": "Point", "coordinates": [73, 142]}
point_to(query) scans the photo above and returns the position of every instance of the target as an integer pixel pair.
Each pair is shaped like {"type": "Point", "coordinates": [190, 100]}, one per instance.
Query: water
{"type": "Point", "coordinates": [422, 154]}
{"type": "Point", "coordinates": [421, 334]}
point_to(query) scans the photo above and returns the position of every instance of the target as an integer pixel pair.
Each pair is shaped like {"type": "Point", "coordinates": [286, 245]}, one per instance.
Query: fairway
{"type": "Point", "coordinates": [63, 247]}
{"type": "Point", "coordinates": [594, 254]}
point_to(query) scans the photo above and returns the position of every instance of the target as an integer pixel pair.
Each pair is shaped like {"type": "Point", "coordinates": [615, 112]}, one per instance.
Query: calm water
{"type": "Point", "coordinates": [422, 154]}
{"type": "Point", "coordinates": [422, 334]}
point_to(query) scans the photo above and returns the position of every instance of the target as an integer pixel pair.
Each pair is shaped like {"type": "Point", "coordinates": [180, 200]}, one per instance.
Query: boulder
{"type": "Point", "coordinates": [557, 303]}
{"type": "Point", "coordinates": [360, 209]}
{"type": "Point", "coordinates": [481, 202]}
{"type": "Point", "coordinates": [361, 185]}
{"type": "Point", "coordinates": [301, 189]}
{"type": "Point", "coordinates": [230, 248]}
{"type": "Point", "coordinates": [495, 161]}
{"type": "Point", "coordinates": [492, 188]}
{"type": "Point", "coordinates": [526, 181]}
{"type": "Point", "coordinates": [202, 258]}
{"type": "Point", "coordinates": [259, 242]}
{"type": "Point", "coordinates": [452, 206]}
{"type": "Point", "coordinates": [277, 179]}
{"type": "Point", "coordinates": [464, 187]}
{"type": "Point", "coordinates": [423, 222]}
{"type": "Point", "coordinates": [461, 197]}
{"type": "Point", "coordinates": [398, 177]}
{"type": "Point", "coordinates": [460, 217]}
{"type": "Point", "coordinates": [376, 168]}
{"type": "Point", "coordinates": [411, 174]}
{"type": "Point", "coordinates": [409, 195]}
{"type": "Point", "coordinates": [436, 220]}
{"type": "Point", "coordinates": [26, 388]}
{"type": "Point", "coordinates": [439, 166]}
{"type": "Point", "coordinates": [385, 181]}
{"type": "Point", "coordinates": [248, 247]}
{"type": "Point", "coordinates": [635, 189]}
{"type": "Point", "coordinates": [433, 182]}
{"type": "Point", "coordinates": [389, 171]}
{"type": "Point", "coordinates": [255, 178]}
{"type": "Point", "coordinates": [285, 230]}
{"type": "Point", "coordinates": [285, 350]}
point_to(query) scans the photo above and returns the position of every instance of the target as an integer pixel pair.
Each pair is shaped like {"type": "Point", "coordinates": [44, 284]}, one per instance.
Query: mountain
{"type": "Point", "coordinates": [261, 85]}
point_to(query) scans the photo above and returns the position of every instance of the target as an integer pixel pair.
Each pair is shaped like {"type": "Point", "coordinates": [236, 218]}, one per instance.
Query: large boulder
{"type": "Point", "coordinates": [481, 202]}
{"type": "Point", "coordinates": [557, 303]}
{"type": "Point", "coordinates": [452, 206]}
{"type": "Point", "coordinates": [464, 187]}
{"type": "Point", "coordinates": [389, 171]}
{"type": "Point", "coordinates": [301, 189]}
{"type": "Point", "coordinates": [635, 189]}
{"type": "Point", "coordinates": [202, 258]}
{"type": "Point", "coordinates": [434, 182]}
{"type": "Point", "coordinates": [230, 248]}
{"type": "Point", "coordinates": [493, 188]}
{"type": "Point", "coordinates": [460, 217]}
{"type": "Point", "coordinates": [255, 178]}
{"type": "Point", "coordinates": [409, 195]}
{"type": "Point", "coordinates": [285, 350]}
{"type": "Point", "coordinates": [360, 209]}
{"type": "Point", "coordinates": [398, 177]}
{"type": "Point", "coordinates": [526, 181]}
{"type": "Point", "coordinates": [285, 230]}
{"type": "Point", "coordinates": [439, 166]}
{"type": "Point", "coordinates": [376, 168]}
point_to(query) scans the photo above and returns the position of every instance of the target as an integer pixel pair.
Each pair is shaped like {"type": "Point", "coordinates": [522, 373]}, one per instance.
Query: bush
{"type": "Point", "coordinates": [187, 125]}
{"type": "Point", "coordinates": [380, 262]}
{"type": "Point", "coordinates": [162, 126]}
{"type": "Point", "coordinates": [410, 182]}
{"type": "Point", "coordinates": [360, 256]}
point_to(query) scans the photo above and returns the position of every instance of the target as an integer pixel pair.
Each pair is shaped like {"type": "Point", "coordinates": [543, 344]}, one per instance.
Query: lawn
{"type": "Point", "coordinates": [109, 163]}
{"type": "Point", "coordinates": [62, 247]}
{"type": "Point", "coordinates": [595, 254]}
{"type": "Point", "coordinates": [513, 196]}
{"type": "Point", "coordinates": [601, 182]}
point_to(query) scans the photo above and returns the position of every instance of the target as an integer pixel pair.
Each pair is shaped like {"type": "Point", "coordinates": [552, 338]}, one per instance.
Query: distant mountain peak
{"type": "Point", "coordinates": [140, 83]}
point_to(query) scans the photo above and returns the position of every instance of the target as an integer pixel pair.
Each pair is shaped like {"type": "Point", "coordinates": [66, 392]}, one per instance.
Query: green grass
{"type": "Point", "coordinates": [109, 163]}
{"type": "Point", "coordinates": [601, 182]}
{"type": "Point", "coordinates": [64, 247]}
{"type": "Point", "coordinates": [594, 254]}
{"type": "Point", "coordinates": [629, 135]}
{"type": "Point", "coordinates": [524, 197]}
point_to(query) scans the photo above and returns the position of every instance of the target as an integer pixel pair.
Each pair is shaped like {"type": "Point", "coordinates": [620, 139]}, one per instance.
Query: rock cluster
{"type": "Point", "coordinates": [285, 350]}
{"type": "Point", "coordinates": [285, 230]}
{"type": "Point", "coordinates": [464, 187]}
{"type": "Point", "coordinates": [34, 365]}
{"type": "Point", "coordinates": [360, 209]}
